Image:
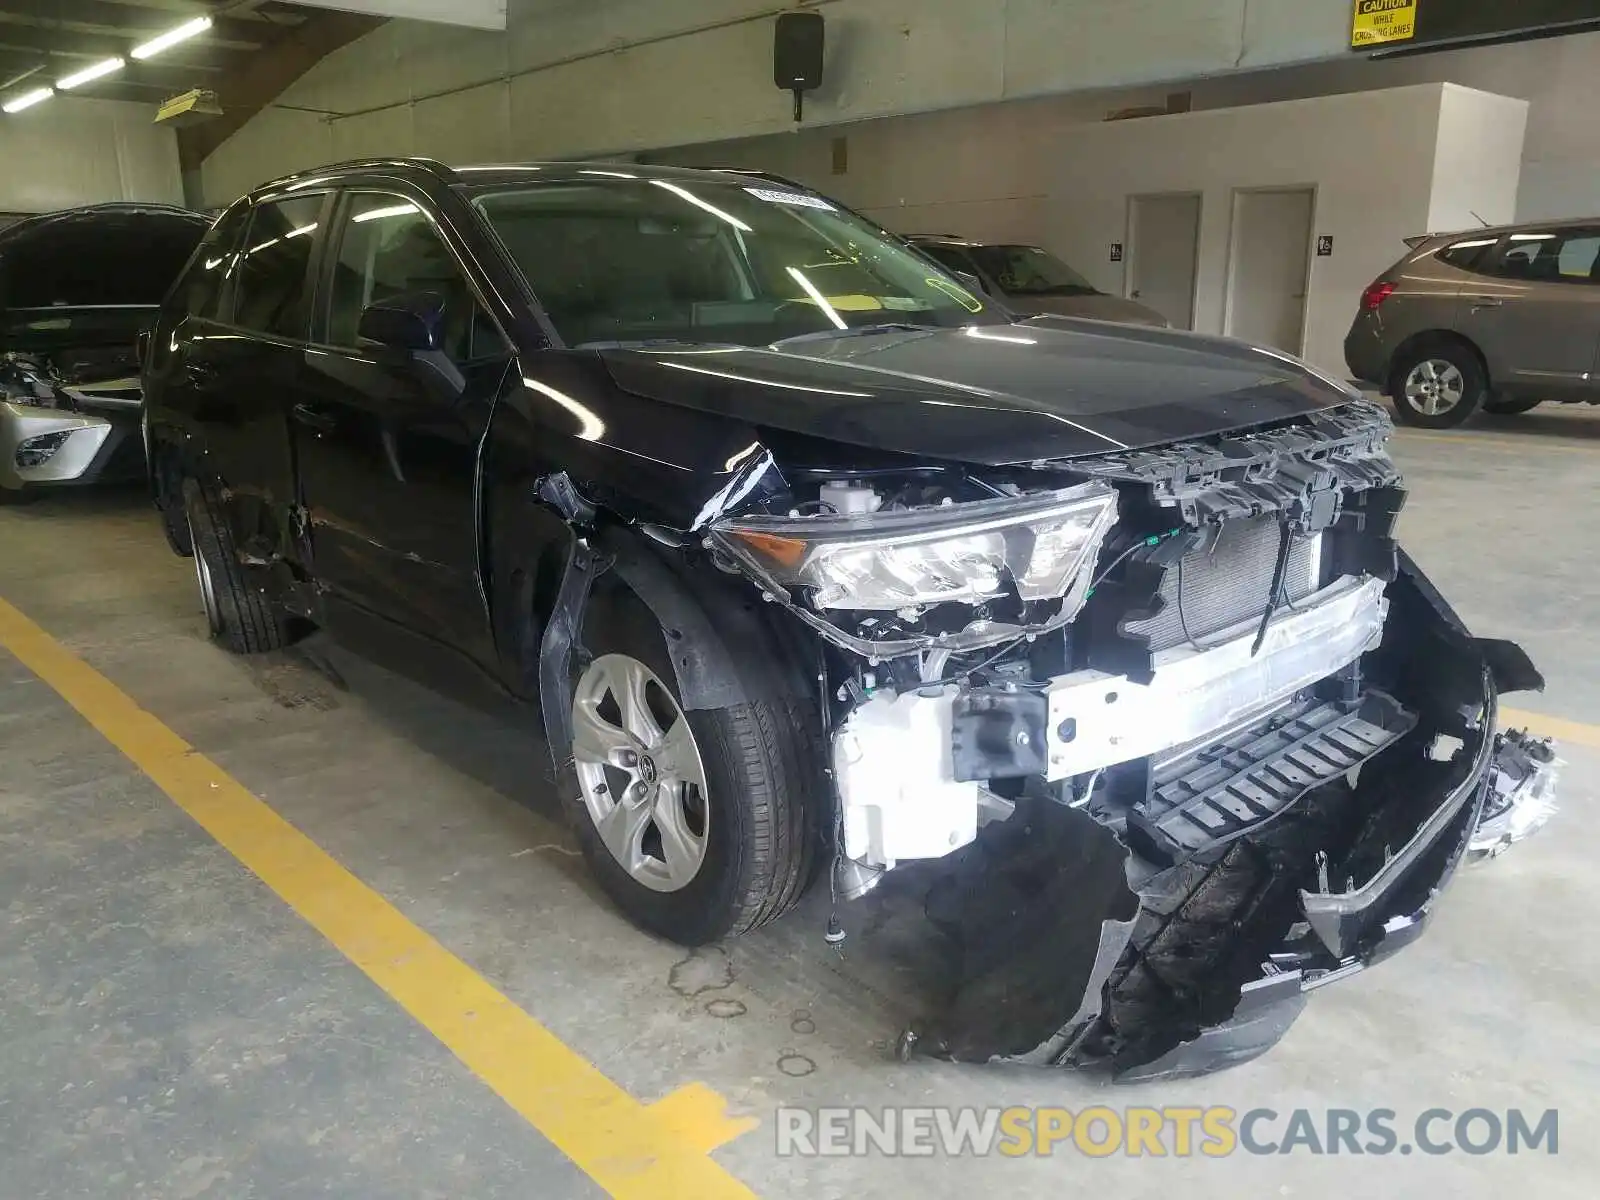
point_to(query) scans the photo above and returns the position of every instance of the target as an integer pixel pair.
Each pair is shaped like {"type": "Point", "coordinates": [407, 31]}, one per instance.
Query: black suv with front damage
{"type": "Point", "coordinates": [809, 555]}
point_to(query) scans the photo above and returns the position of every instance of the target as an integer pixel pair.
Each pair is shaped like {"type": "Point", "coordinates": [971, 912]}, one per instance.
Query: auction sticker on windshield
{"type": "Point", "coordinates": [1378, 22]}
{"type": "Point", "coordinates": [797, 199]}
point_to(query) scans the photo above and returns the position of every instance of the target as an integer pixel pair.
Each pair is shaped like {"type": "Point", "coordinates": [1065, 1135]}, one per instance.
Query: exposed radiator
{"type": "Point", "coordinates": [1228, 583]}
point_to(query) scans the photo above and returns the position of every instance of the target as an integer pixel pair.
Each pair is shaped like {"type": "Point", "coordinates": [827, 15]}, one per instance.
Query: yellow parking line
{"type": "Point", "coordinates": [1531, 442]}
{"type": "Point", "coordinates": [1559, 728]}
{"type": "Point", "coordinates": [628, 1148]}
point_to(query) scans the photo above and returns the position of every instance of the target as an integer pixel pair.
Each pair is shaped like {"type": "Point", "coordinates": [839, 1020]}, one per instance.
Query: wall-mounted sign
{"type": "Point", "coordinates": [1116, 251]}
{"type": "Point", "coordinates": [1325, 246]}
{"type": "Point", "coordinates": [1379, 22]}
{"type": "Point", "coordinates": [1384, 27]}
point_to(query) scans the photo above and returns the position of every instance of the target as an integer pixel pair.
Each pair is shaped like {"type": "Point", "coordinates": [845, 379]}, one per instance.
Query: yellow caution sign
{"type": "Point", "coordinates": [1378, 22]}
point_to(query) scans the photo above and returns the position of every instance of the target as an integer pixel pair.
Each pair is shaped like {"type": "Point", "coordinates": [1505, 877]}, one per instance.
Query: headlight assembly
{"type": "Point", "coordinates": [972, 553]}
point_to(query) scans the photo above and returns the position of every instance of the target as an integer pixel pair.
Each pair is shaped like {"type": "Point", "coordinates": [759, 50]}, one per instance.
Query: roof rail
{"type": "Point", "coordinates": [433, 166]}
{"type": "Point", "coordinates": [771, 176]}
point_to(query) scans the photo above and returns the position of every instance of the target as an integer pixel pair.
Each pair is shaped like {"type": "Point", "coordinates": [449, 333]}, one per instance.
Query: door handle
{"type": "Point", "coordinates": [313, 418]}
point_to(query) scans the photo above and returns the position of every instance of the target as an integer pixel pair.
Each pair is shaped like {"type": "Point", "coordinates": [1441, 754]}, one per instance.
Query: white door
{"type": "Point", "coordinates": [1164, 243]}
{"type": "Point", "coordinates": [1271, 266]}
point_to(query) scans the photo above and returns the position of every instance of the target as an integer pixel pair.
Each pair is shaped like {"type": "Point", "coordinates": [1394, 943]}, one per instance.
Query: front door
{"type": "Point", "coordinates": [1164, 248]}
{"type": "Point", "coordinates": [387, 446]}
{"type": "Point", "coordinates": [1535, 312]}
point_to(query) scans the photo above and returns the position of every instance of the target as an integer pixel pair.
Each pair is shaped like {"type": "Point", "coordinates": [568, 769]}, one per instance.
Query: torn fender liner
{"type": "Point", "coordinates": [1038, 910]}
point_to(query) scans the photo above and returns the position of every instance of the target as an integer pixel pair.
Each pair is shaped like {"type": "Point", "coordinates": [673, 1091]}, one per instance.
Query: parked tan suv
{"type": "Point", "coordinates": [1500, 319]}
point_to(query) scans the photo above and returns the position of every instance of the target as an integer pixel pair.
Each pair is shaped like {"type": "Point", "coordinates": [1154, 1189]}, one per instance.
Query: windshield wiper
{"type": "Point", "coordinates": [823, 335]}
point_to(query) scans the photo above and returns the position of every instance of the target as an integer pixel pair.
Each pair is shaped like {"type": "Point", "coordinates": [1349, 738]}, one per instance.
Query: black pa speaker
{"type": "Point", "coordinates": [797, 54]}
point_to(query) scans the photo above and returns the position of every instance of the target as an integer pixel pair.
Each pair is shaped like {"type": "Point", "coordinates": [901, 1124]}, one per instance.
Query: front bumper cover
{"type": "Point", "coordinates": [1072, 950]}
{"type": "Point", "coordinates": [96, 445]}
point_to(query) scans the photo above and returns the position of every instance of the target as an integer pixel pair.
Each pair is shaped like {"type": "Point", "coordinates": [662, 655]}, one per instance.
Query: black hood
{"type": "Point", "coordinates": [1043, 388]}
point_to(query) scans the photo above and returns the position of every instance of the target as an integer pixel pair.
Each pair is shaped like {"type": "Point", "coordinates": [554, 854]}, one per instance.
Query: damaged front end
{"type": "Point", "coordinates": [72, 422]}
{"type": "Point", "coordinates": [1190, 735]}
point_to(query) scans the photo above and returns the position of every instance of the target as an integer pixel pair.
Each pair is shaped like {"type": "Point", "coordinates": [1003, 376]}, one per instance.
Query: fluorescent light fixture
{"type": "Point", "coordinates": [821, 301]}
{"type": "Point", "coordinates": [699, 203]}
{"type": "Point", "coordinates": [1533, 237]}
{"type": "Point", "coordinates": [379, 214]}
{"type": "Point", "coordinates": [89, 74]}
{"type": "Point", "coordinates": [29, 99]}
{"type": "Point", "coordinates": [301, 232]}
{"type": "Point", "coordinates": [172, 37]}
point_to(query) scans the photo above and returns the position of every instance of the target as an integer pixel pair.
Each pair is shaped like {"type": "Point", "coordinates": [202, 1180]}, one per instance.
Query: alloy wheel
{"type": "Point", "coordinates": [1435, 386]}
{"type": "Point", "coordinates": [208, 589]}
{"type": "Point", "coordinates": [643, 781]}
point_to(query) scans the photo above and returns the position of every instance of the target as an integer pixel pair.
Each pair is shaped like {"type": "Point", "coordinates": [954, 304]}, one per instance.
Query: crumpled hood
{"type": "Point", "coordinates": [1043, 388]}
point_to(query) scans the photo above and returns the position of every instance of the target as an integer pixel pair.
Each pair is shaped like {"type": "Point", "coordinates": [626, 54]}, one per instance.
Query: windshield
{"type": "Point", "coordinates": [712, 261]}
{"type": "Point", "coordinates": [1030, 271]}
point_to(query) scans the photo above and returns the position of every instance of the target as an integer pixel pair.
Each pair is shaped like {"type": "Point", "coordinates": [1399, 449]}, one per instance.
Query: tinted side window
{"type": "Point", "coordinates": [199, 291]}
{"type": "Point", "coordinates": [387, 247]}
{"type": "Point", "coordinates": [1553, 256]}
{"type": "Point", "coordinates": [270, 272]}
{"type": "Point", "coordinates": [1469, 255]}
{"type": "Point", "coordinates": [1580, 256]}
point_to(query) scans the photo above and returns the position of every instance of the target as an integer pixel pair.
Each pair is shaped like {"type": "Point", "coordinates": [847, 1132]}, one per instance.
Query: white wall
{"type": "Point", "coordinates": [1476, 179]}
{"type": "Point", "coordinates": [1371, 157]}
{"type": "Point", "coordinates": [587, 77]}
{"type": "Point", "coordinates": [70, 151]}
{"type": "Point", "coordinates": [1559, 77]}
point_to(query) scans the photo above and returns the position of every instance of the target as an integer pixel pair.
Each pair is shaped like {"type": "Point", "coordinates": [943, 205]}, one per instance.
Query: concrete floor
{"type": "Point", "coordinates": [169, 1028]}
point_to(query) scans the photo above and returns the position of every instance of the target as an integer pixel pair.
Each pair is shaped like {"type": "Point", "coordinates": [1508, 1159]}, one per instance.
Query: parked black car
{"type": "Point", "coordinates": [804, 550]}
{"type": "Point", "coordinates": [76, 290]}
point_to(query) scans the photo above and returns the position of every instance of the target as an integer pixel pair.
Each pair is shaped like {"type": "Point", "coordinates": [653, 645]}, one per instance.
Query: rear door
{"type": "Point", "coordinates": [388, 457]}
{"type": "Point", "coordinates": [240, 360]}
{"type": "Point", "coordinates": [1535, 312]}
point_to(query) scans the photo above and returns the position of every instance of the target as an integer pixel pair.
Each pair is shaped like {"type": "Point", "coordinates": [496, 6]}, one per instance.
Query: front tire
{"type": "Point", "coordinates": [1438, 385]}
{"type": "Point", "coordinates": [697, 824]}
{"type": "Point", "coordinates": [239, 617]}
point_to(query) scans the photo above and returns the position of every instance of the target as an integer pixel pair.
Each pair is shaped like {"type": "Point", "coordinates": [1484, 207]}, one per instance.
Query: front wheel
{"type": "Point", "coordinates": [698, 824]}
{"type": "Point", "coordinates": [1438, 386]}
{"type": "Point", "coordinates": [1510, 408]}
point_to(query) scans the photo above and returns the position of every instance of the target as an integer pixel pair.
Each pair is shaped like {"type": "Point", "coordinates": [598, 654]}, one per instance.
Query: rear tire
{"type": "Point", "coordinates": [1438, 385]}
{"type": "Point", "coordinates": [1510, 408]}
{"type": "Point", "coordinates": [752, 831]}
{"type": "Point", "coordinates": [240, 617]}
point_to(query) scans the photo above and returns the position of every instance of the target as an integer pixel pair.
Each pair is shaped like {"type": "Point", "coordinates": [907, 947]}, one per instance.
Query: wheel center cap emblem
{"type": "Point", "coordinates": [647, 769]}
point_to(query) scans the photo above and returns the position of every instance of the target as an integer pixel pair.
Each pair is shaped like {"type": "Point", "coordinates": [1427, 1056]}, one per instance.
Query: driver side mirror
{"type": "Point", "coordinates": [412, 322]}
{"type": "Point", "coordinates": [409, 330]}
